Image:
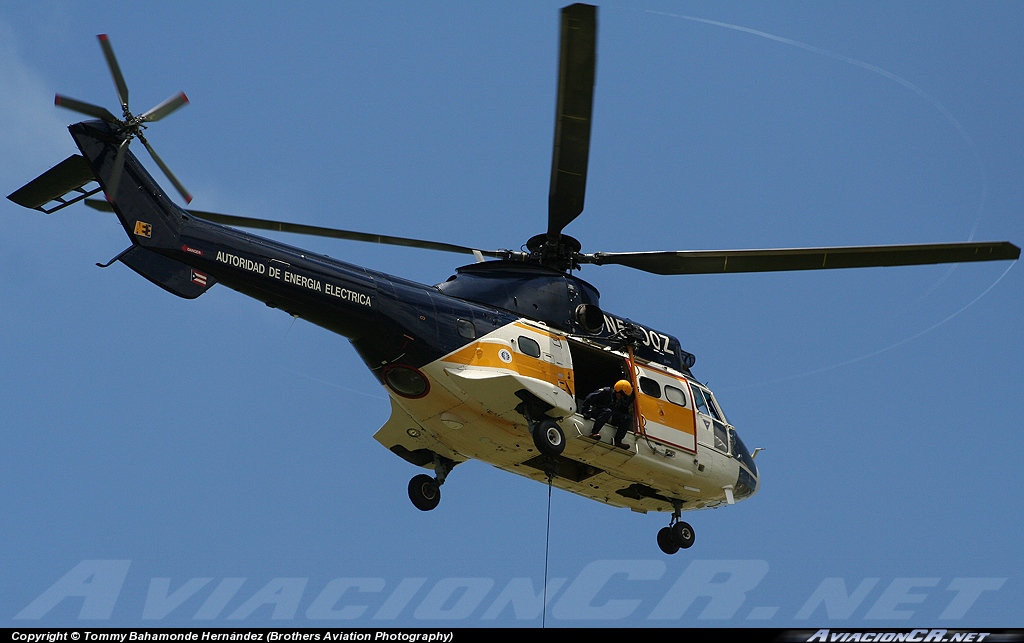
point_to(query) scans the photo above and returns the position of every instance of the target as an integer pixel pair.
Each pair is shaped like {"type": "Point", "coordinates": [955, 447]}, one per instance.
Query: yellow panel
{"type": "Point", "coordinates": [667, 414]}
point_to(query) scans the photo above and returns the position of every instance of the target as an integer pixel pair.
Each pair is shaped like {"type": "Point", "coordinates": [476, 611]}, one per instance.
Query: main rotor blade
{"type": "Point", "coordinates": [576, 70]}
{"type": "Point", "coordinates": [165, 108]}
{"type": "Point", "coordinates": [115, 174]}
{"type": "Point", "coordinates": [84, 108]}
{"type": "Point", "coordinates": [692, 262]}
{"type": "Point", "coordinates": [167, 171]}
{"type": "Point", "coordinates": [115, 71]}
{"type": "Point", "coordinates": [317, 231]}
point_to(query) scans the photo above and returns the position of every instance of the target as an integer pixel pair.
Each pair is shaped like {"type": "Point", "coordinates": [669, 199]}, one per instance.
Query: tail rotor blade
{"type": "Point", "coordinates": [115, 70]}
{"type": "Point", "coordinates": [115, 174]}
{"type": "Point", "coordinates": [84, 108]}
{"type": "Point", "coordinates": [167, 171]}
{"type": "Point", "coordinates": [165, 108]}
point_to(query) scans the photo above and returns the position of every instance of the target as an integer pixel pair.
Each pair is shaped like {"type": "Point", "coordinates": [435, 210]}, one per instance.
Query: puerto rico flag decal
{"type": "Point", "coordinates": [199, 278]}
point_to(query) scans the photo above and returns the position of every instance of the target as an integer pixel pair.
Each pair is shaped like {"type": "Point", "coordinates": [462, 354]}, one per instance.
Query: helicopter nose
{"type": "Point", "coordinates": [747, 483]}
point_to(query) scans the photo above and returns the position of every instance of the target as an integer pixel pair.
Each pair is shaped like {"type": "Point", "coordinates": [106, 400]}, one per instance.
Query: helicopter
{"type": "Point", "coordinates": [494, 363]}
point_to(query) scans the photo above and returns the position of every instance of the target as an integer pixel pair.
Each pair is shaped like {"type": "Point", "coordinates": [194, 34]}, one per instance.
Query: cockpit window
{"type": "Point", "coordinates": [721, 437]}
{"type": "Point", "coordinates": [704, 404]}
{"type": "Point", "coordinates": [713, 402]}
{"type": "Point", "coordinates": [698, 401]}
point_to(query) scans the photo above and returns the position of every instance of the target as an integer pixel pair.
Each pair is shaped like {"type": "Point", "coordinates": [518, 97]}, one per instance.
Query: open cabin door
{"type": "Point", "coordinates": [664, 404]}
{"type": "Point", "coordinates": [594, 368]}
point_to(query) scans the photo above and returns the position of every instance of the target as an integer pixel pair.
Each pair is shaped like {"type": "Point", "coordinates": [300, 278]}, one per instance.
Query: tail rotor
{"type": "Point", "coordinates": [130, 126]}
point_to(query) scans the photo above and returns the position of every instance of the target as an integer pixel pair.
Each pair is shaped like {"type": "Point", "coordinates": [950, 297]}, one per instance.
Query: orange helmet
{"type": "Point", "coordinates": [624, 387]}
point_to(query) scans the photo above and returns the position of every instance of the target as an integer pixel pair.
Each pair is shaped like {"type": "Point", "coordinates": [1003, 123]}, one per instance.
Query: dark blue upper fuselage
{"type": "Point", "coordinates": [388, 319]}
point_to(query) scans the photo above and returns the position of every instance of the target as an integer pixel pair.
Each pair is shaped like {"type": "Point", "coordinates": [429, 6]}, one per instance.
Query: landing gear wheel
{"type": "Point", "coordinates": [667, 541]}
{"type": "Point", "coordinates": [548, 437]}
{"type": "Point", "coordinates": [682, 534]}
{"type": "Point", "coordinates": [424, 492]}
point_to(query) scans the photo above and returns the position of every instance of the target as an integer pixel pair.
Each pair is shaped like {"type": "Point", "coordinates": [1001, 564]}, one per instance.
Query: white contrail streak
{"type": "Point", "coordinates": [942, 110]}
{"type": "Point", "coordinates": [869, 67]}
{"type": "Point", "coordinates": [879, 351]}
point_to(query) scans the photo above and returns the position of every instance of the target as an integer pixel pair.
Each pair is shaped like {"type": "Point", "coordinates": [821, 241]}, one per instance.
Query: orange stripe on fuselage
{"type": "Point", "coordinates": [484, 354]}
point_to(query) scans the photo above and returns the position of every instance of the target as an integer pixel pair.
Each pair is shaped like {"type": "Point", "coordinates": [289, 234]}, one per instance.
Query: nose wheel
{"type": "Point", "coordinates": [678, 535]}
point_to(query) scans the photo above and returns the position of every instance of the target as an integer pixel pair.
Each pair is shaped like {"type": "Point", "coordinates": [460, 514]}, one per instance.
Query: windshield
{"type": "Point", "coordinates": [706, 403]}
{"type": "Point", "coordinates": [740, 451]}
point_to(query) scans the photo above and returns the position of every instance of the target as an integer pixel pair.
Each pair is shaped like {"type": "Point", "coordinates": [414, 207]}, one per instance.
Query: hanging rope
{"type": "Point", "coordinates": [547, 548]}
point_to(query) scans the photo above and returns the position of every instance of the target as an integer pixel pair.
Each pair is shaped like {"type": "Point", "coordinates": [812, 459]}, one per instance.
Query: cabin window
{"type": "Point", "coordinates": [465, 328]}
{"type": "Point", "coordinates": [650, 387]}
{"type": "Point", "coordinates": [675, 395]}
{"type": "Point", "coordinates": [529, 346]}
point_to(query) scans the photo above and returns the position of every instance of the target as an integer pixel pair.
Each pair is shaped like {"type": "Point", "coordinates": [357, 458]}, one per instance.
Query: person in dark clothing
{"type": "Point", "coordinates": [610, 405]}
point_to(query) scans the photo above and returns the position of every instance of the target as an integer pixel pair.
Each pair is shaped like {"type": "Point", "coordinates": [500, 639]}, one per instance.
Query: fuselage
{"type": "Point", "coordinates": [459, 360]}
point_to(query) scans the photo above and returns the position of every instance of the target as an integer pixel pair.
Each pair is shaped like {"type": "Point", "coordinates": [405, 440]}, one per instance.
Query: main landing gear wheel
{"type": "Point", "coordinates": [548, 437]}
{"type": "Point", "coordinates": [678, 535]}
{"type": "Point", "coordinates": [667, 541]}
{"type": "Point", "coordinates": [682, 534]}
{"type": "Point", "coordinates": [424, 492]}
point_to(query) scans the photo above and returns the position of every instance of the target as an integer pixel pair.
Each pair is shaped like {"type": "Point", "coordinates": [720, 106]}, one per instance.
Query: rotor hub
{"type": "Point", "coordinates": [555, 251]}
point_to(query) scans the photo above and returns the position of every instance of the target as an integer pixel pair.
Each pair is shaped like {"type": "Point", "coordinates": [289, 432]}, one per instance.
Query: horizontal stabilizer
{"type": "Point", "coordinates": [171, 275]}
{"type": "Point", "coordinates": [70, 175]}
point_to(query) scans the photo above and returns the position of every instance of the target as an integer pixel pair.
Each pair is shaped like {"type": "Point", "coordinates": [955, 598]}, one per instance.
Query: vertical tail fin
{"type": "Point", "coordinates": [149, 218]}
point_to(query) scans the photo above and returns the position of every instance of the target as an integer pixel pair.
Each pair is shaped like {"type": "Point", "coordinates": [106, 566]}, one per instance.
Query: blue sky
{"type": "Point", "coordinates": [216, 440]}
